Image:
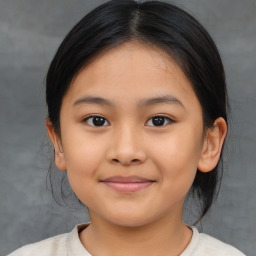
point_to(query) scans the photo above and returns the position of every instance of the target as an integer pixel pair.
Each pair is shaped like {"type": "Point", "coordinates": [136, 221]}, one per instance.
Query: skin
{"type": "Point", "coordinates": [147, 221]}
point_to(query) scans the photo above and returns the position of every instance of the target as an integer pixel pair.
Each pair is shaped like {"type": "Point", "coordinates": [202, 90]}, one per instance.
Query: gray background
{"type": "Point", "coordinates": [30, 32]}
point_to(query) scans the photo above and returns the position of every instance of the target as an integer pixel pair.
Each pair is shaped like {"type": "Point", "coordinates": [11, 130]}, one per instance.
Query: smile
{"type": "Point", "coordinates": [127, 184]}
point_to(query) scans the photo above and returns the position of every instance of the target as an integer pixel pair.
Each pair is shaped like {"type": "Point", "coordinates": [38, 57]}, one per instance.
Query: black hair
{"type": "Point", "coordinates": [161, 25]}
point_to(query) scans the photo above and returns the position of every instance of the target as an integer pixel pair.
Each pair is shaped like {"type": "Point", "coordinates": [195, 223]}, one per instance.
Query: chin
{"type": "Point", "coordinates": [130, 223]}
{"type": "Point", "coordinates": [130, 219]}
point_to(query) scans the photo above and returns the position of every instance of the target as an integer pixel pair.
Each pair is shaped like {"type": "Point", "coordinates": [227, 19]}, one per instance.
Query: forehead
{"type": "Point", "coordinates": [130, 71]}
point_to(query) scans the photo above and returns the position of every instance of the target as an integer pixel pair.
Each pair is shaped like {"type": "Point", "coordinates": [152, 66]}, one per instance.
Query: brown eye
{"type": "Point", "coordinates": [97, 121]}
{"type": "Point", "coordinates": [159, 121]}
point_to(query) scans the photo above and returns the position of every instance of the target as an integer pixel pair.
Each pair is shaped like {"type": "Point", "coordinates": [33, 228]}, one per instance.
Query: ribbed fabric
{"type": "Point", "coordinates": [69, 244]}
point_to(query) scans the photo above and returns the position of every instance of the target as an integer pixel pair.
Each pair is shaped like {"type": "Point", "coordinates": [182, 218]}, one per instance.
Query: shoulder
{"type": "Point", "coordinates": [61, 245]}
{"type": "Point", "coordinates": [208, 245]}
{"type": "Point", "coordinates": [52, 246]}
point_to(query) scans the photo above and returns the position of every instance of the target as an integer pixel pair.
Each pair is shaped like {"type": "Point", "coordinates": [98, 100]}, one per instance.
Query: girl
{"type": "Point", "coordinates": [137, 115]}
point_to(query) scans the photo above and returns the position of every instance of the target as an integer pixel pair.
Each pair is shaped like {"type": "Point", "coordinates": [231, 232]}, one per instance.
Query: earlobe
{"type": "Point", "coordinates": [58, 151]}
{"type": "Point", "coordinates": [212, 145]}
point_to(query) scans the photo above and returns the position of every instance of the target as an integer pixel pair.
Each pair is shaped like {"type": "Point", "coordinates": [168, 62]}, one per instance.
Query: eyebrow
{"type": "Point", "coordinates": [168, 99]}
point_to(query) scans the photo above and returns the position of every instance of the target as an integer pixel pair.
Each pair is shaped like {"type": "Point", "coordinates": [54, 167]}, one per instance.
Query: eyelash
{"type": "Point", "coordinates": [162, 116]}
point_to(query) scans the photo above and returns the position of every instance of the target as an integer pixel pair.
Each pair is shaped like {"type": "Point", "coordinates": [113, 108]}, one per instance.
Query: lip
{"type": "Point", "coordinates": [127, 184]}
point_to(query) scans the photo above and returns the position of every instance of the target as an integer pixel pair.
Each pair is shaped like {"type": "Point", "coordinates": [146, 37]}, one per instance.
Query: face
{"type": "Point", "coordinates": [131, 136]}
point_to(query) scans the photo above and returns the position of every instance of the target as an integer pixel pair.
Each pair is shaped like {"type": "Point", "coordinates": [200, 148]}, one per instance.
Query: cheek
{"type": "Point", "coordinates": [177, 156]}
{"type": "Point", "coordinates": [83, 155]}
{"type": "Point", "coordinates": [82, 163]}
{"type": "Point", "coordinates": [180, 147]}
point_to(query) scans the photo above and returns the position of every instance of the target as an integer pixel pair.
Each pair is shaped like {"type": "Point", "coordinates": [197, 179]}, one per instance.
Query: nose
{"type": "Point", "coordinates": [126, 147]}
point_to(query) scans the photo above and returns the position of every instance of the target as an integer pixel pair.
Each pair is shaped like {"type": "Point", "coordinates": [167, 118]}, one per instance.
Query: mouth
{"type": "Point", "coordinates": [127, 184]}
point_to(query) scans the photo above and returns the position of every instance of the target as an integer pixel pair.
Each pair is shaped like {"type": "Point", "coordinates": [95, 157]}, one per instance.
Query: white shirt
{"type": "Point", "coordinates": [69, 244]}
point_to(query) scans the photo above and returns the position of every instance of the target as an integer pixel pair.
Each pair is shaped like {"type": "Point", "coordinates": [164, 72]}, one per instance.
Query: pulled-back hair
{"type": "Point", "coordinates": [161, 25]}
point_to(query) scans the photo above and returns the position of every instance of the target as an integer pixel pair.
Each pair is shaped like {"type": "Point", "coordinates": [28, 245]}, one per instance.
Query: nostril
{"type": "Point", "coordinates": [132, 161]}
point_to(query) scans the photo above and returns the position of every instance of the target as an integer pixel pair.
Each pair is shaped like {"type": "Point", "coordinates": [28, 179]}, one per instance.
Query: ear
{"type": "Point", "coordinates": [212, 145]}
{"type": "Point", "coordinates": [58, 150]}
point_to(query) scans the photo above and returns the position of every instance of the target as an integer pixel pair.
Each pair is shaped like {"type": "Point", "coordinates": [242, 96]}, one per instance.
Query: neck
{"type": "Point", "coordinates": [166, 235]}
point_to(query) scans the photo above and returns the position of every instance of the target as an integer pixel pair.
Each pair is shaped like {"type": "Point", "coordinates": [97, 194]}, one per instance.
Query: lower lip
{"type": "Point", "coordinates": [127, 187]}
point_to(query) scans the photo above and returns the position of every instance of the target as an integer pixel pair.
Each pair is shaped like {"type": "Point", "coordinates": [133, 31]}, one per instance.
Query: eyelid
{"type": "Point", "coordinates": [164, 116]}
{"type": "Point", "coordinates": [94, 115]}
{"type": "Point", "coordinates": [156, 115]}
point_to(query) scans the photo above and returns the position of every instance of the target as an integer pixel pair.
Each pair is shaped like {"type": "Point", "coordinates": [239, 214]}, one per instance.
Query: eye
{"type": "Point", "coordinates": [159, 121]}
{"type": "Point", "coordinates": [95, 120]}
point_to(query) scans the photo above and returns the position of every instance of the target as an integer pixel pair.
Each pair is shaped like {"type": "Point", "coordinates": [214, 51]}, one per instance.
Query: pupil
{"type": "Point", "coordinates": [158, 121]}
{"type": "Point", "coordinates": [98, 121]}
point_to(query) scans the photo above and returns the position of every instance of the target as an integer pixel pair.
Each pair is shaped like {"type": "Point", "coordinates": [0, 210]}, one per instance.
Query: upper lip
{"type": "Point", "coordinates": [128, 179]}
